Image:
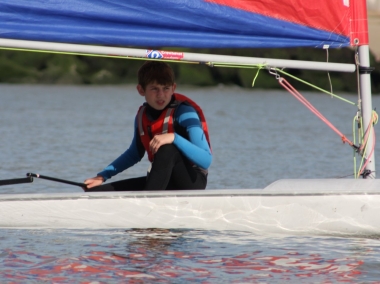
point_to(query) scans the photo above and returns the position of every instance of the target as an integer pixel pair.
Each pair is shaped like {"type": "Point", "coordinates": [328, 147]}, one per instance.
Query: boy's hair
{"type": "Point", "coordinates": [155, 72]}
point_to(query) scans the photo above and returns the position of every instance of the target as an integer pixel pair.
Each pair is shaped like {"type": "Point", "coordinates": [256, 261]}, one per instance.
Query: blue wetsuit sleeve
{"type": "Point", "coordinates": [196, 149]}
{"type": "Point", "coordinates": [126, 160]}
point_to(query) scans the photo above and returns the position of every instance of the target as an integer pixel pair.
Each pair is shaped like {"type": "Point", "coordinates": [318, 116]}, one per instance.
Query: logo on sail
{"type": "Point", "coordinates": [162, 54]}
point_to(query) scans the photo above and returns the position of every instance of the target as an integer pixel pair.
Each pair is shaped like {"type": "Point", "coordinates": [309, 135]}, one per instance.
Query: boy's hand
{"type": "Point", "coordinates": [160, 140]}
{"type": "Point", "coordinates": [95, 181]}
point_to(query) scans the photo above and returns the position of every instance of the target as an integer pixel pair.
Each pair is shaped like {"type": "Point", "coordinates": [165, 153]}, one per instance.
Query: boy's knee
{"type": "Point", "coordinates": [167, 151]}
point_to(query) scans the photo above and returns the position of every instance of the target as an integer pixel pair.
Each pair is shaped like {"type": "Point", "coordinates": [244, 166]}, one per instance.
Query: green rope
{"type": "Point", "coordinates": [102, 55]}
{"type": "Point", "coordinates": [354, 141]}
{"type": "Point", "coordinates": [313, 86]}
{"type": "Point", "coordinates": [364, 152]}
{"type": "Point", "coordinates": [260, 66]}
{"type": "Point", "coordinates": [375, 118]}
{"type": "Point", "coordinates": [357, 120]}
{"type": "Point", "coordinates": [246, 66]}
{"type": "Point", "coordinates": [257, 74]}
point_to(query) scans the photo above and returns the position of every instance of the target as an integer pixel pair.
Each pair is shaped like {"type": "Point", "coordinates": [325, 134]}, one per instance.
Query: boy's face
{"type": "Point", "coordinates": [156, 95]}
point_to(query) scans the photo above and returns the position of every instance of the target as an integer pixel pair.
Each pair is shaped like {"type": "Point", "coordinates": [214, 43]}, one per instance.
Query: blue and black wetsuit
{"type": "Point", "coordinates": [180, 165]}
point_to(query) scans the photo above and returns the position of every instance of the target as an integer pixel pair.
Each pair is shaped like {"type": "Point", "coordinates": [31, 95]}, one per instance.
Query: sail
{"type": "Point", "coordinates": [188, 23]}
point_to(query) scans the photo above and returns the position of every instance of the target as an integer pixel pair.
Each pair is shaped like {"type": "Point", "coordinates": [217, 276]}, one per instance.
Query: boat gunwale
{"type": "Point", "coordinates": [175, 194]}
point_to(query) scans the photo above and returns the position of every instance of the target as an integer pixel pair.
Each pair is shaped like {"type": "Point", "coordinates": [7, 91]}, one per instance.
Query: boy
{"type": "Point", "coordinates": [171, 129]}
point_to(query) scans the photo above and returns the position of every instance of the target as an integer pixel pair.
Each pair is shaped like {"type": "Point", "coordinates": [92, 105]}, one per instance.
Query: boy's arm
{"type": "Point", "coordinates": [130, 157]}
{"type": "Point", "coordinates": [196, 149]}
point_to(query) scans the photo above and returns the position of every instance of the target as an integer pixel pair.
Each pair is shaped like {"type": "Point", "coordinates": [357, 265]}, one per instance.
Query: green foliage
{"type": "Point", "coordinates": [193, 74]}
{"type": "Point", "coordinates": [47, 68]}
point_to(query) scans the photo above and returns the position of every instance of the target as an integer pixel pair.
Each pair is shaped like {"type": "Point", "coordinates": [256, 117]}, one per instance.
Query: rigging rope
{"type": "Point", "coordinates": [313, 86]}
{"type": "Point", "coordinates": [363, 139]}
{"type": "Point", "coordinates": [370, 131]}
{"type": "Point", "coordinates": [305, 102]}
{"type": "Point", "coordinates": [327, 60]}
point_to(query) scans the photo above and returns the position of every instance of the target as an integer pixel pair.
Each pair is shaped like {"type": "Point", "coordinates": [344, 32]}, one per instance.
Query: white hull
{"type": "Point", "coordinates": [307, 207]}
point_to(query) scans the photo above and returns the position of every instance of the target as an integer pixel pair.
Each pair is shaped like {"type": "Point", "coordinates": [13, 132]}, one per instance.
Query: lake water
{"type": "Point", "coordinates": [257, 137]}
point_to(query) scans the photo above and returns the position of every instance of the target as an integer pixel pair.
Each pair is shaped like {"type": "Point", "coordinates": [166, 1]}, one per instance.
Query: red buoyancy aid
{"type": "Point", "coordinates": [165, 122]}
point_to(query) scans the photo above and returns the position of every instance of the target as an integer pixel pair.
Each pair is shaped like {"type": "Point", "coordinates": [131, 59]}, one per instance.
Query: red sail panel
{"type": "Point", "coordinates": [329, 15]}
{"type": "Point", "coordinates": [359, 23]}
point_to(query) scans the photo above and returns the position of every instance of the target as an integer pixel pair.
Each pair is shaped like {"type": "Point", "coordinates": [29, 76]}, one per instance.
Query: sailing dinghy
{"type": "Point", "coordinates": [297, 207]}
{"type": "Point", "coordinates": [117, 28]}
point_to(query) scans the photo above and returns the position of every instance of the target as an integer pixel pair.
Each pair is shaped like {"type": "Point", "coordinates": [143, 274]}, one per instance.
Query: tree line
{"type": "Point", "coordinates": [24, 67]}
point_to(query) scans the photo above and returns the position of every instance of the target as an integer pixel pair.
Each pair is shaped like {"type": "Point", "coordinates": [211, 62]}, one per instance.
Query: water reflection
{"type": "Point", "coordinates": [186, 256]}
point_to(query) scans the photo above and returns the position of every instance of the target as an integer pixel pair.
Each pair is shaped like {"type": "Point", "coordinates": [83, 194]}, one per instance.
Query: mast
{"type": "Point", "coordinates": [366, 97]}
{"type": "Point", "coordinates": [360, 38]}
